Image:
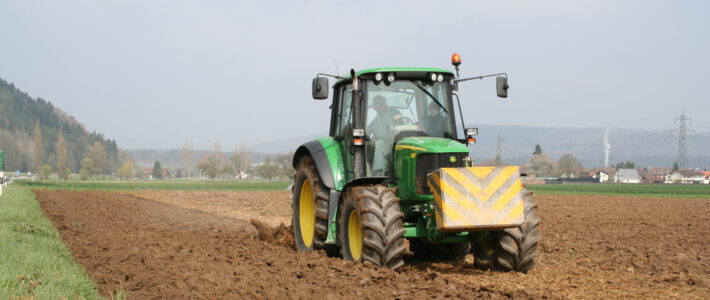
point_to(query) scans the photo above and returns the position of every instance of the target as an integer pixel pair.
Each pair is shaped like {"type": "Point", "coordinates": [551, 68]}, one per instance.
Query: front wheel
{"type": "Point", "coordinates": [310, 207]}
{"type": "Point", "coordinates": [371, 226]}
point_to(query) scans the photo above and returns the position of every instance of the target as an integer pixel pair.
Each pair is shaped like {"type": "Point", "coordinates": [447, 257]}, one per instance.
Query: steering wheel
{"type": "Point", "coordinates": [402, 120]}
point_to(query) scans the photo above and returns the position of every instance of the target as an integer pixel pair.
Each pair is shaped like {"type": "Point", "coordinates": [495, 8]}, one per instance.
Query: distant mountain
{"type": "Point", "coordinates": [644, 147]}
{"type": "Point", "coordinates": [18, 114]}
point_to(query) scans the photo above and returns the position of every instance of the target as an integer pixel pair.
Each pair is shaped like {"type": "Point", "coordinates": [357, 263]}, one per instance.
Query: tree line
{"type": "Point", "coordinates": [35, 135]}
{"type": "Point", "coordinates": [542, 165]}
{"type": "Point", "coordinates": [240, 164]}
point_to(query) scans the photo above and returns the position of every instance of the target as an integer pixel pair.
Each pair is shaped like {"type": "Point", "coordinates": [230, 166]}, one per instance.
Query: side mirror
{"type": "Point", "coordinates": [502, 86]}
{"type": "Point", "coordinates": [320, 88]}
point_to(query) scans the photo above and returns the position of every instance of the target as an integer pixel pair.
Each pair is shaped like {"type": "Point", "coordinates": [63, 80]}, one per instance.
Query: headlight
{"type": "Point", "coordinates": [432, 76]}
{"type": "Point", "coordinates": [390, 77]}
{"type": "Point", "coordinates": [471, 131]}
{"type": "Point", "coordinates": [440, 78]}
{"type": "Point", "coordinates": [378, 77]}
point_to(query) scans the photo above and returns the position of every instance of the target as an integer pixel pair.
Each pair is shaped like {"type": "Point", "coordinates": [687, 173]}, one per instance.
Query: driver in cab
{"type": "Point", "coordinates": [382, 133]}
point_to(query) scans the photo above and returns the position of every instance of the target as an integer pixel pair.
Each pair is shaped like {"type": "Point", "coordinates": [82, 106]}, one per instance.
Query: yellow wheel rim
{"type": "Point", "coordinates": [306, 213]}
{"type": "Point", "coordinates": [487, 247]}
{"type": "Point", "coordinates": [355, 235]}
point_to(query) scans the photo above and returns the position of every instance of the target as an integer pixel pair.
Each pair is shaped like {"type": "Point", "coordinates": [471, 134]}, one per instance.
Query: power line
{"type": "Point", "coordinates": [499, 150]}
{"type": "Point", "coordinates": [642, 146]}
{"type": "Point", "coordinates": [684, 122]}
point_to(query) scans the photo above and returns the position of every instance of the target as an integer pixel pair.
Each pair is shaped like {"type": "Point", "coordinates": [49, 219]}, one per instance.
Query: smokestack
{"type": "Point", "coordinates": [607, 147]}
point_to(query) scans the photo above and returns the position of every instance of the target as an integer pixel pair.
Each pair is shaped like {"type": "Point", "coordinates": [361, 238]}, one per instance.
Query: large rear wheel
{"type": "Point", "coordinates": [484, 252]}
{"type": "Point", "coordinates": [371, 226]}
{"type": "Point", "coordinates": [310, 207]}
{"type": "Point", "coordinates": [511, 249]}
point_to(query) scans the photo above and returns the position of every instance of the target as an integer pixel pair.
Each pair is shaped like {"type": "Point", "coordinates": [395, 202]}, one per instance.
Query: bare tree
{"type": "Point", "coordinates": [87, 168]}
{"type": "Point", "coordinates": [542, 166]}
{"type": "Point", "coordinates": [37, 149]}
{"type": "Point", "coordinates": [208, 167]}
{"type": "Point", "coordinates": [570, 165]}
{"type": "Point", "coordinates": [126, 170]}
{"type": "Point", "coordinates": [186, 157]}
{"type": "Point", "coordinates": [45, 171]}
{"type": "Point", "coordinates": [98, 155]}
{"type": "Point", "coordinates": [215, 164]}
{"type": "Point", "coordinates": [221, 160]}
{"type": "Point", "coordinates": [241, 160]}
{"type": "Point", "coordinates": [285, 165]}
{"type": "Point", "coordinates": [268, 168]}
{"type": "Point", "coordinates": [18, 150]}
{"type": "Point", "coordinates": [62, 156]}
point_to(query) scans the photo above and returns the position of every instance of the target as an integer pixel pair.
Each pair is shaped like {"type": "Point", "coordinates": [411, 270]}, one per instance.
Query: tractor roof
{"type": "Point", "coordinates": [394, 69]}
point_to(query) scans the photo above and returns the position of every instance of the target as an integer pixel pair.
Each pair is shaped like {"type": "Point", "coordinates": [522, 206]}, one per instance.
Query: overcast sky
{"type": "Point", "coordinates": [155, 74]}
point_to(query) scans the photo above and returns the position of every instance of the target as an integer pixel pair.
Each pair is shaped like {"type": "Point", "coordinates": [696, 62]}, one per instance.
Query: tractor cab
{"type": "Point", "coordinates": [395, 103]}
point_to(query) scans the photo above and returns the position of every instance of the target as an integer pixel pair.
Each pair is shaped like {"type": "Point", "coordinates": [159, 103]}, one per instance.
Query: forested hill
{"type": "Point", "coordinates": [19, 115]}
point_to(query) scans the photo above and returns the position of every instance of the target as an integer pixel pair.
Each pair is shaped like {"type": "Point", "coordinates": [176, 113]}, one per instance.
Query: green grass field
{"type": "Point", "coordinates": [647, 190]}
{"type": "Point", "coordinates": [34, 263]}
{"type": "Point", "coordinates": [159, 185]}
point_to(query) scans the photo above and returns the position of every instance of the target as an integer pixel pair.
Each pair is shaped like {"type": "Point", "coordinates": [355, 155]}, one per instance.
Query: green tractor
{"type": "Point", "coordinates": [394, 167]}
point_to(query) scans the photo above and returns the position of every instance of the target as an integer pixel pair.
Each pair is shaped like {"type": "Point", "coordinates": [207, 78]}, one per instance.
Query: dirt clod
{"type": "Point", "coordinates": [280, 235]}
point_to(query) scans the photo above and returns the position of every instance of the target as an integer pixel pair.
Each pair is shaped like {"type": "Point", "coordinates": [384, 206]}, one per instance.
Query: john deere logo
{"type": "Point", "coordinates": [452, 159]}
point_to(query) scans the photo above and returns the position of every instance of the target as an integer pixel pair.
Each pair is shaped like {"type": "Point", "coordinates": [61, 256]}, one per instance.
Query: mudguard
{"type": "Point", "coordinates": [326, 155]}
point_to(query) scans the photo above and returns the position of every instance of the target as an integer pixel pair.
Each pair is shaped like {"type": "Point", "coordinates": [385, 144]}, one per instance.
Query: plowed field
{"type": "Point", "coordinates": [202, 245]}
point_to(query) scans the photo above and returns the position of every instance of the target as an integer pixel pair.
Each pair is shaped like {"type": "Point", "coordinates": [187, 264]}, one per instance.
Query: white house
{"type": "Point", "coordinates": [627, 176]}
{"type": "Point", "coordinates": [686, 176]}
{"type": "Point", "coordinates": [601, 176]}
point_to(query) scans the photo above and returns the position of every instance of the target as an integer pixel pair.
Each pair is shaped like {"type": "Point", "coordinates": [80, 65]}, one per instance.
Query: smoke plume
{"type": "Point", "coordinates": [607, 147]}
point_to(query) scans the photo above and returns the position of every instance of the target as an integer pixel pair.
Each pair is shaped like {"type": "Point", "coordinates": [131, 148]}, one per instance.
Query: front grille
{"type": "Point", "coordinates": [430, 162]}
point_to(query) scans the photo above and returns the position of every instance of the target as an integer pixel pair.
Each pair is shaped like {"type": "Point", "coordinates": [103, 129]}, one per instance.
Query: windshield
{"type": "Point", "coordinates": [412, 105]}
{"type": "Point", "coordinates": [419, 107]}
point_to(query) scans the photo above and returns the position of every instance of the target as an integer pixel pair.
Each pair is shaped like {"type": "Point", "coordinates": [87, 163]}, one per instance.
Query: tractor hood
{"type": "Point", "coordinates": [430, 145]}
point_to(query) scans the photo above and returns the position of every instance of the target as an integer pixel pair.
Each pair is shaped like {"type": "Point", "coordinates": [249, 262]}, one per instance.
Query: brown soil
{"type": "Point", "coordinates": [272, 208]}
{"type": "Point", "coordinates": [201, 245]}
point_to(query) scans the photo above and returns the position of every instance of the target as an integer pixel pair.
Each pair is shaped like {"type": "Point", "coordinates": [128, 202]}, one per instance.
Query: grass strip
{"type": "Point", "coordinates": [621, 189]}
{"type": "Point", "coordinates": [34, 263]}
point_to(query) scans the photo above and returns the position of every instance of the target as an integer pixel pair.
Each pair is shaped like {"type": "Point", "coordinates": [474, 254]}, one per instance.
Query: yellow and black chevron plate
{"type": "Point", "coordinates": [476, 198]}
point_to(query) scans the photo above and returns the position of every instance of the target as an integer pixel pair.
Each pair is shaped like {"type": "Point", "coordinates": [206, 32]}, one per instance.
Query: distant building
{"type": "Point", "coordinates": [652, 175]}
{"type": "Point", "coordinates": [627, 176]}
{"type": "Point", "coordinates": [686, 176]}
{"type": "Point", "coordinates": [601, 176]}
